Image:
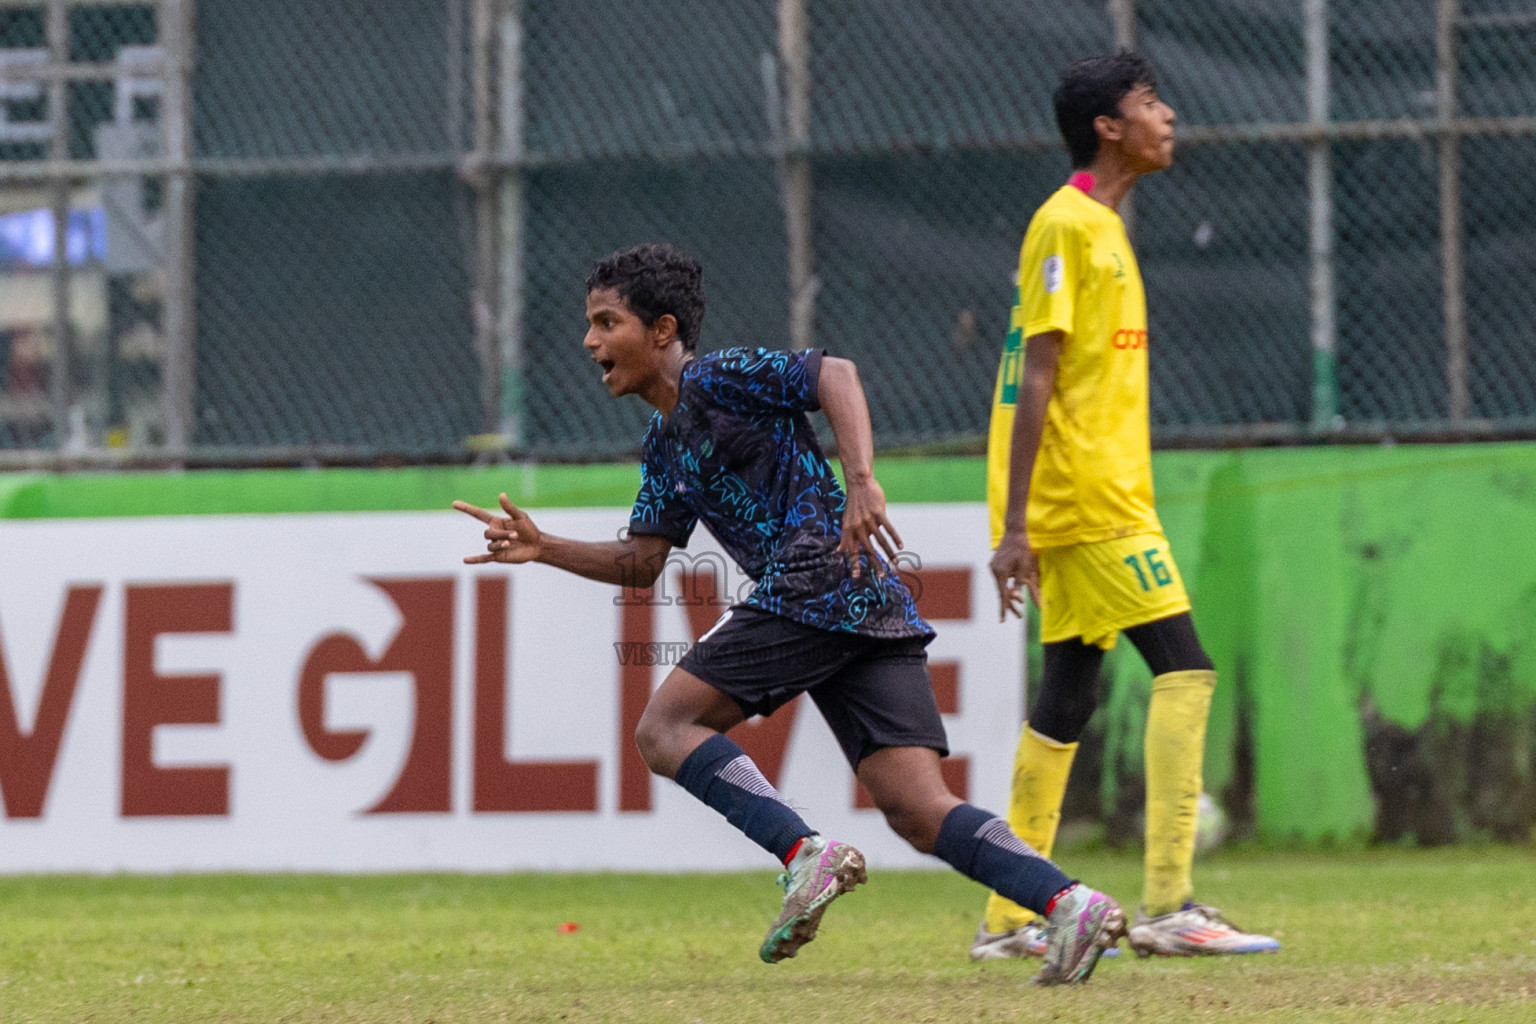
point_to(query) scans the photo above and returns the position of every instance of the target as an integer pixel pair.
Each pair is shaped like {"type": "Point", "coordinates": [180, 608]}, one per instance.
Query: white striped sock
{"type": "Point", "coordinates": [997, 832]}
{"type": "Point", "coordinates": [743, 774]}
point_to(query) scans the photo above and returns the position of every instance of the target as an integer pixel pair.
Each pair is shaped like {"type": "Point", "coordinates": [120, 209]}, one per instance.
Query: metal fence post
{"type": "Point", "coordinates": [795, 58]}
{"type": "Point", "coordinates": [1453, 280]}
{"type": "Point", "coordinates": [482, 175]}
{"type": "Point", "coordinates": [178, 374]}
{"type": "Point", "coordinates": [1325, 375]}
{"type": "Point", "coordinates": [60, 386]}
{"type": "Point", "coordinates": [1122, 15]}
{"type": "Point", "coordinates": [509, 326]}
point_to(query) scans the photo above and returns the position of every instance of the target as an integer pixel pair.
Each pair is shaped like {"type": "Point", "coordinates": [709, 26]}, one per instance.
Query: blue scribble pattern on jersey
{"type": "Point", "coordinates": [739, 454]}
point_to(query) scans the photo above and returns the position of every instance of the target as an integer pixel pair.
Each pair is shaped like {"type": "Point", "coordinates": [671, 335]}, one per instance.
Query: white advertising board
{"type": "Point", "coordinates": [339, 692]}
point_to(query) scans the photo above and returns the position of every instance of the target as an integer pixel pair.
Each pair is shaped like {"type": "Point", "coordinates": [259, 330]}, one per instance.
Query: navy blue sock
{"type": "Point", "coordinates": [982, 847]}
{"type": "Point", "coordinates": [721, 774]}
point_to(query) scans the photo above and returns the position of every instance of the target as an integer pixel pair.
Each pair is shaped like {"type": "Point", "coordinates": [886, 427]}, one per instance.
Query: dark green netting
{"type": "Point", "coordinates": [335, 303]}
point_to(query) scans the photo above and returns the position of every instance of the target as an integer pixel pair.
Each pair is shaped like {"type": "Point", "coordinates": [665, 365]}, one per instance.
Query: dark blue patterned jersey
{"type": "Point", "coordinates": [738, 454]}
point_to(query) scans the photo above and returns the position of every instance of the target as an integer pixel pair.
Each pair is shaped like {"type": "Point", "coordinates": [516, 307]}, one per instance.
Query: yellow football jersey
{"type": "Point", "coordinates": [1093, 474]}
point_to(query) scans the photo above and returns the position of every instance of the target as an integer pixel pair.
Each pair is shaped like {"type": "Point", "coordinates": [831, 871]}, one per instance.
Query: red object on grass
{"type": "Point", "coordinates": [567, 927]}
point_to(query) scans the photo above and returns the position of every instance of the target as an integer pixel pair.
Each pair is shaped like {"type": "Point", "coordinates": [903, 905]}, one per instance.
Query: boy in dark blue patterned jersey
{"type": "Point", "coordinates": [730, 445]}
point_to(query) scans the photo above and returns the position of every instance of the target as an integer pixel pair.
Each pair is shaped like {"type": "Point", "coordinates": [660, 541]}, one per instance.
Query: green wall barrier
{"type": "Point", "coordinates": [414, 488]}
{"type": "Point", "coordinates": [1372, 612]}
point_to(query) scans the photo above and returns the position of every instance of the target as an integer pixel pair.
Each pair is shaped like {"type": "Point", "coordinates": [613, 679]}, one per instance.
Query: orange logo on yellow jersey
{"type": "Point", "coordinates": [1126, 338]}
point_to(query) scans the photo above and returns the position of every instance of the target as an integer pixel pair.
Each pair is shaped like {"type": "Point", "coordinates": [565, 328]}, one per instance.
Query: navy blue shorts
{"type": "Point", "coordinates": [873, 692]}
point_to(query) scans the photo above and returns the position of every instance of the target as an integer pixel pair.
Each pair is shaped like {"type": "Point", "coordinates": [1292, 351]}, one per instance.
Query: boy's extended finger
{"type": "Point", "coordinates": [478, 559]}
{"type": "Point", "coordinates": [506, 503]}
{"type": "Point", "coordinates": [474, 510]}
{"type": "Point", "coordinates": [1003, 594]}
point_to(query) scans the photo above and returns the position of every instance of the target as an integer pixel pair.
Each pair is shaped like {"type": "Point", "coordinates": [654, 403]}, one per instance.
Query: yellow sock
{"type": "Point", "coordinates": [1175, 750]}
{"type": "Point", "coordinates": [1040, 770]}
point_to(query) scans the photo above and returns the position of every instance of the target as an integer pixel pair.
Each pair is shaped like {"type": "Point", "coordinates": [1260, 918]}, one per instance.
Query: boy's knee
{"type": "Point", "coordinates": [650, 738]}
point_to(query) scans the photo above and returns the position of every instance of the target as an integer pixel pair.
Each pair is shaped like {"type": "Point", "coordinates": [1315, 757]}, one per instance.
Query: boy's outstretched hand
{"type": "Point", "coordinates": [1015, 567]}
{"type": "Point", "coordinates": [511, 538]}
{"type": "Point", "coordinates": [866, 531]}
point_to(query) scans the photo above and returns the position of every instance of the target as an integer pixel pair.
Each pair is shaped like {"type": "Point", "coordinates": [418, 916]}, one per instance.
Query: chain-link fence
{"type": "Point", "coordinates": [279, 230]}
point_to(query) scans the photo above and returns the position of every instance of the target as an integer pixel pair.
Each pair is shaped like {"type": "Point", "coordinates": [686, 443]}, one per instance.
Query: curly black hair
{"type": "Point", "coordinates": [654, 280]}
{"type": "Point", "coordinates": [1092, 87]}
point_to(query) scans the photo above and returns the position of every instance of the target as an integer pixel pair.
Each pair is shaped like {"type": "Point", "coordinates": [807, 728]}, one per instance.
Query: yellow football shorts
{"type": "Point", "coordinates": [1094, 591]}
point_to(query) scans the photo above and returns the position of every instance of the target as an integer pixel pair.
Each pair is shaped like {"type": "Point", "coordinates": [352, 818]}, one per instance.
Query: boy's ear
{"type": "Point", "coordinates": [664, 329]}
{"type": "Point", "coordinates": [1109, 128]}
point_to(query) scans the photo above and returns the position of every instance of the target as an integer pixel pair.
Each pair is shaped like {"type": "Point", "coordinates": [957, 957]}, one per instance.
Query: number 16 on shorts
{"type": "Point", "coordinates": [1150, 567]}
{"type": "Point", "coordinates": [1095, 590]}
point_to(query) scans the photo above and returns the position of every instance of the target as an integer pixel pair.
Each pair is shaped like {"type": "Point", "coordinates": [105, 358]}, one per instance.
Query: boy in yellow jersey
{"type": "Point", "coordinates": [1069, 485]}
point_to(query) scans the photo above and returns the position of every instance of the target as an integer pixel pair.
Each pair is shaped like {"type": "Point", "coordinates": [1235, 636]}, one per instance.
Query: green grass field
{"type": "Point", "coordinates": [1387, 935]}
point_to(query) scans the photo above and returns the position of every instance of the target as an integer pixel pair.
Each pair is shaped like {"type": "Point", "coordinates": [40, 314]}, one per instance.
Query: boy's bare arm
{"type": "Point", "coordinates": [865, 527]}
{"type": "Point", "coordinates": [513, 538]}
{"type": "Point", "coordinates": [1014, 565]}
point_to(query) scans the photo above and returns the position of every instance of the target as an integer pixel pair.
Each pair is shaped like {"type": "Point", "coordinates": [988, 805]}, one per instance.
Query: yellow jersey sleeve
{"type": "Point", "coordinates": [1050, 275]}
